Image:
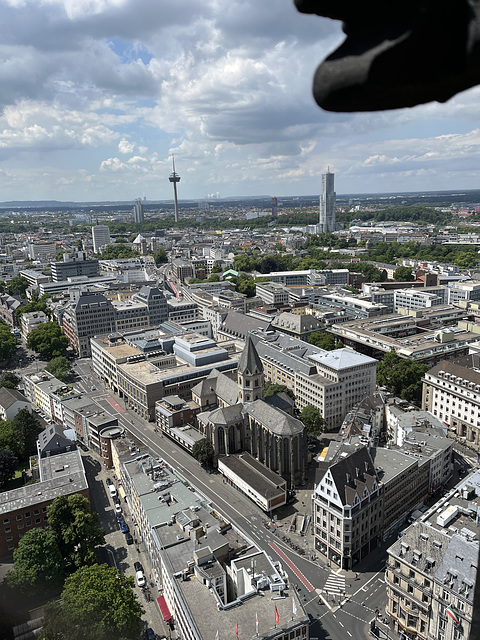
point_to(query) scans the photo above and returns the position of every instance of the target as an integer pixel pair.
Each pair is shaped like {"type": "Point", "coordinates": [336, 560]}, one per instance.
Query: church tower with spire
{"type": "Point", "coordinates": [250, 376]}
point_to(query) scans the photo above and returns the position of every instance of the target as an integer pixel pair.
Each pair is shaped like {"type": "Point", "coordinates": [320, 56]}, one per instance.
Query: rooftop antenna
{"type": "Point", "coordinates": [174, 177]}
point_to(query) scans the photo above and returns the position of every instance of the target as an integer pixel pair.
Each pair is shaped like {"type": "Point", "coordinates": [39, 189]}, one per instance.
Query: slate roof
{"type": "Point", "coordinates": [8, 397]}
{"type": "Point", "coordinates": [275, 420]}
{"type": "Point", "coordinates": [250, 363]}
{"type": "Point", "coordinates": [240, 324]}
{"type": "Point", "coordinates": [280, 401]}
{"type": "Point", "coordinates": [52, 440]}
{"type": "Point", "coordinates": [352, 473]}
{"type": "Point", "coordinates": [227, 415]}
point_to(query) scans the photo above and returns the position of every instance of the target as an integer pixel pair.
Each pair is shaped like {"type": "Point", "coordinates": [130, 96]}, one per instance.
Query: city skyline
{"type": "Point", "coordinates": [98, 94]}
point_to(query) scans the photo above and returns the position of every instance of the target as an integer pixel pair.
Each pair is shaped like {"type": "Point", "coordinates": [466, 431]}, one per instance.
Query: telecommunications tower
{"type": "Point", "coordinates": [174, 177]}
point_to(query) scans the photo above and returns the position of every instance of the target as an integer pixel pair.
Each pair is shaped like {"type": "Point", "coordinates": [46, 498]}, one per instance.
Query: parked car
{"type": "Point", "coordinates": [140, 579]}
{"type": "Point", "coordinates": [149, 634]}
{"type": "Point", "coordinates": [119, 517]}
{"type": "Point", "coordinates": [118, 508]}
{"type": "Point", "coordinates": [138, 566]}
{"type": "Point", "coordinates": [108, 482]}
{"type": "Point", "coordinates": [128, 538]}
{"type": "Point", "coordinates": [124, 526]}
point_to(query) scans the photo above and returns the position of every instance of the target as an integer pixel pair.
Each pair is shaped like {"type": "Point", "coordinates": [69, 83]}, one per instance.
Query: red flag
{"type": "Point", "coordinates": [277, 617]}
{"type": "Point", "coordinates": [237, 630]}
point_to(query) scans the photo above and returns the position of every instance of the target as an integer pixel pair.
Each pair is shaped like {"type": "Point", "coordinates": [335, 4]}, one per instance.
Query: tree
{"type": "Point", "coordinates": [97, 602]}
{"type": "Point", "coordinates": [117, 251]}
{"type": "Point", "coordinates": [8, 465]}
{"type": "Point", "coordinates": [466, 260]}
{"type": "Point", "coordinates": [161, 256]}
{"type": "Point", "coordinates": [214, 278]}
{"type": "Point", "coordinates": [8, 342]}
{"type": "Point", "coordinates": [325, 340]}
{"type": "Point", "coordinates": [48, 340]}
{"type": "Point", "coordinates": [75, 529]}
{"type": "Point", "coordinates": [35, 304]}
{"type": "Point", "coordinates": [121, 241]}
{"type": "Point", "coordinates": [18, 285]}
{"type": "Point", "coordinates": [273, 388]}
{"type": "Point", "coordinates": [312, 419]}
{"type": "Point", "coordinates": [20, 434]}
{"type": "Point", "coordinates": [9, 380]}
{"type": "Point", "coordinates": [402, 376]}
{"type": "Point", "coordinates": [37, 563]}
{"type": "Point", "coordinates": [59, 367]}
{"type": "Point", "coordinates": [403, 274]}
{"type": "Point", "coordinates": [204, 452]}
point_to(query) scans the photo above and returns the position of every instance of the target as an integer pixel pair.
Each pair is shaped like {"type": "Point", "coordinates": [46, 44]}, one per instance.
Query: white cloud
{"type": "Point", "coordinates": [224, 86]}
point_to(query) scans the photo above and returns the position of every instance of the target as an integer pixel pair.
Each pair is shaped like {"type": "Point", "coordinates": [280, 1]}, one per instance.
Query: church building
{"type": "Point", "coordinates": [236, 417]}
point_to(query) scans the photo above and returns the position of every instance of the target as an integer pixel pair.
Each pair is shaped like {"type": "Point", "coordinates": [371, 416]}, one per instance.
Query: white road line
{"type": "Point", "coordinates": [341, 623]}
{"type": "Point", "coordinates": [349, 633]}
{"type": "Point", "coordinates": [382, 581]}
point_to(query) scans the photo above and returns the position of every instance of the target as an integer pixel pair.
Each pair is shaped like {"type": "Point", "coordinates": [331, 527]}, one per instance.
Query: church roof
{"type": "Point", "coordinates": [250, 362]}
{"type": "Point", "coordinates": [227, 415]}
{"type": "Point", "coordinates": [274, 419]}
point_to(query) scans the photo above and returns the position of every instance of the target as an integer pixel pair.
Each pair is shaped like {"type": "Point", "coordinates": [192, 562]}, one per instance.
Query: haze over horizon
{"type": "Point", "coordinates": [98, 94]}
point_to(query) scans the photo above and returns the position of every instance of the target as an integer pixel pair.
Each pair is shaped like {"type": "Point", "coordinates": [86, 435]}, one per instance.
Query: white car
{"type": "Point", "coordinates": [118, 508]}
{"type": "Point", "coordinates": [140, 578]}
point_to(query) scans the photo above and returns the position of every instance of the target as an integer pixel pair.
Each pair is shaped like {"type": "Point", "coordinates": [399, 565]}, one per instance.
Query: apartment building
{"type": "Point", "coordinates": [25, 508]}
{"type": "Point", "coordinates": [469, 290]}
{"type": "Point", "coordinates": [31, 321]}
{"type": "Point", "coordinates": [431, 570]}
{"type": "Point", "coordinates": [272, 293]}
{"type": "Point", "coordinates": [100, 237]}
{"type": "Point", "coordinates": [356, 307]}
{"type": "Point", "coordinates": [451, 391]}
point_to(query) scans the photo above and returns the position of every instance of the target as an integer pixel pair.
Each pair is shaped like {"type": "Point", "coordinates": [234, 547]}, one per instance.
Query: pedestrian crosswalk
{"type": "Point", "coordinates": [335, 585]}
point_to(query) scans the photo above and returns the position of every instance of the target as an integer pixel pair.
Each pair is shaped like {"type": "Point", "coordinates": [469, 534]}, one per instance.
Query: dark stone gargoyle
{"type": "Point", "coordinates": [397, 53]}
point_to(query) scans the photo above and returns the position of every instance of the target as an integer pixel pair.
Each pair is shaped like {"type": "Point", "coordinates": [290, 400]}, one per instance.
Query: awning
{"type": "Point", "coordinates": [164, 608]}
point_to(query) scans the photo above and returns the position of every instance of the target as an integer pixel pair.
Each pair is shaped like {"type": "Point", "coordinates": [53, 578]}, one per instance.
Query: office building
{"type": "Point", "coordinates": [138, 215]}
{"type": "Point", "coordinates": [100, 237]}
{"type": "Point", "coordinates": [326, 220]}
{"type": "Point", "coordinates": [451, 391]}
{"type": "Point", "coordinates": [431, 570]}
{"type": "Point", "coordinates": [73, 266]}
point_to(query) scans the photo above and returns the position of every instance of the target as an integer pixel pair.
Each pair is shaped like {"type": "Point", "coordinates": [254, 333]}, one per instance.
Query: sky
{"type": "Point", "coordinates": [96, 96]}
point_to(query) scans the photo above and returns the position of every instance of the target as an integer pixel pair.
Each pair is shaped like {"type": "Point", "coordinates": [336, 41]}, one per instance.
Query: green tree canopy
{"type": "Point", "coordinates": [8, 342]}
{"type": "Point", "coordinates": [20, 434]}
{"type": "Point", "coordinates": [8, 465]}
{"type": "Point", "coordinates": [313, 420]}
{"type": "Point", "coordinates": [161, 256]}
{"type": "Point", "coordinates": [48, 340]}
{"type": "Point", "coordinates": [325, 340]}
{"type": "Point", "coordinates": [117, 251]}
{"type": "Point", "coordinates": [273, 388]}
{"type": "Point", "coordinates": [18, 285]}
{"type": "Point", "coordinates": [466, 260]}
{"type": "Point", "coordinates": [37, 563]}
{"type": "Point", "coordinates": [121, 241]}
{"type": "Point", "coordinates": [402, 376]}
{"type": "Point", "coordinates": [35, 304]}
{"type": "Point", "coordinates": [59, 367]}
{"type": "Point", "coordinates": [204, 452]}
{"type": "Point", "coordinates": [9, 380]}
{"type": "Point", "coordinates": [75, 529]}
{"type": "Point", "coordinates": [97, 602]}
{"type": "Point", "coordinates": [403, 274]}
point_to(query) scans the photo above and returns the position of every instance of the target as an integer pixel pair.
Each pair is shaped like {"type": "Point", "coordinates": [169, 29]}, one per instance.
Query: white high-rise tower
{"type": "Point", "coordinates": [326, 219]}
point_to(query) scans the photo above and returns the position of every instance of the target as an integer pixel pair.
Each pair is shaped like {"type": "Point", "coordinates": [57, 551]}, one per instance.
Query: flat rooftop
{"type": "Point", "coordinates": [64, 475]}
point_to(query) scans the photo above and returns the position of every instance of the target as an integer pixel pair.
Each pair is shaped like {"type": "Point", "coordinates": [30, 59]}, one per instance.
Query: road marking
{"type": "Point", "coordinates": [308, 585]}
{"type": "Point", "coordinates": [349, 633]}
{"type": "Point", "coordinates": [341, 623]}
{"type": "Point", "coordinates": [382, 581]}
